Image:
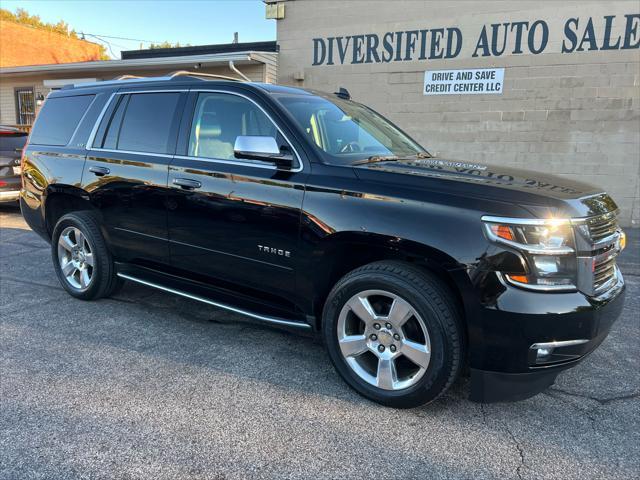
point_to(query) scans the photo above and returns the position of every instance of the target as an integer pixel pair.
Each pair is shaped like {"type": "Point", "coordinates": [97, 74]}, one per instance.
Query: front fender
{"type": "Point", "coordinates": [347, 222]}
{"type": "Point", "coordinates": [339, 253]}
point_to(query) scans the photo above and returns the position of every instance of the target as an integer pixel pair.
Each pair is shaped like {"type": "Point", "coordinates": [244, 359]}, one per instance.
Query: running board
{"type": "Point", "coordinates": [263, 318]}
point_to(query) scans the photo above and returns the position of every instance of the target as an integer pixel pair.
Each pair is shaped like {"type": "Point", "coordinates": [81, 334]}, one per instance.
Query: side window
{"type": "Point", "coordinates": [219, 119]}
{"type": "Point", "coordinates": [58, 119]}
{"type": "Point", "coordinates": [146, 123]}
{"type": "Point", "coordinates": [113, 127]}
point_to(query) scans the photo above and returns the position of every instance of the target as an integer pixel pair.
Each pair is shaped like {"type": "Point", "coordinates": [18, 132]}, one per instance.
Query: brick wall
{"type": "Point", "coordinates": [573, 114]}
{"type": "Point", "coordinates": [23, 45]}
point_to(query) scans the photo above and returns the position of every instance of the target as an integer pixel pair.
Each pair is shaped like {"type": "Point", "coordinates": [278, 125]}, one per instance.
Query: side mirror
{"type": "Point", "coordinates": [255, 147]}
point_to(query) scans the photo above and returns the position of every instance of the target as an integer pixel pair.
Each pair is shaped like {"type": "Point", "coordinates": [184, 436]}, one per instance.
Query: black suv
{"type": "Point", "coordinates": [312, 212]}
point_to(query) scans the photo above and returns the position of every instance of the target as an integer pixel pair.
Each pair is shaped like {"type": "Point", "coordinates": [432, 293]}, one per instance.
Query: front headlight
{"type": "Point", "coordinates": [547, 246]}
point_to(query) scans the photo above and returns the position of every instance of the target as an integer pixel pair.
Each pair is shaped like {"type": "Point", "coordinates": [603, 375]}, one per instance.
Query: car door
{"type": "Point", "coordinates": [126, 170]}
{"type": "Point", "coordinates": [233, 219]}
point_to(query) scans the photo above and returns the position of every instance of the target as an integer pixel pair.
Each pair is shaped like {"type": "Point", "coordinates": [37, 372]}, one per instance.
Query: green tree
{"type": "Point", "coordinates": [166, 44]}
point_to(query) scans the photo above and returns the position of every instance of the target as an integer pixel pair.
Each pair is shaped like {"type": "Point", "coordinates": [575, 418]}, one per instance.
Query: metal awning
{"type": "Point", "coordinates": [217, 59]}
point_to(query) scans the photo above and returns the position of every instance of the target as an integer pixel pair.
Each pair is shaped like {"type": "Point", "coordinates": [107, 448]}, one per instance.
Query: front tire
{"type": "Point", "coordinates": [81, 259]}
{"type": "Point", "coordinates": [393, 333]}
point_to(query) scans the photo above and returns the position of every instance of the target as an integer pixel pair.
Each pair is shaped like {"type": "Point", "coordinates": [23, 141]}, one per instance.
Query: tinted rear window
{"type": "Point", "coordinates": [58, 119]}
{"type": "Point", "coordinates": [146, 126]}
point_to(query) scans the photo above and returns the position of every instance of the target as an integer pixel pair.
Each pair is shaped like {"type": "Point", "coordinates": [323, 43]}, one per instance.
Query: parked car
{"type": "Point", "coordinates": [12, 141]}
{"type": "Point", "coordinates": [311, 212]}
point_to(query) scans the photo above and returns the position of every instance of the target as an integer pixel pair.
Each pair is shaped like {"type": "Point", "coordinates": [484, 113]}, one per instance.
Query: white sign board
{"type": "Point", "coordinates": [463, 82]}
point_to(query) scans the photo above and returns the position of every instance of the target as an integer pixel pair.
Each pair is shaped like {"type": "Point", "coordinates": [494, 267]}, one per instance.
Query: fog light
{"type": "Point", "coordinates": [543, 353]}
{"type": "Point", "coordinates": [557, 351]}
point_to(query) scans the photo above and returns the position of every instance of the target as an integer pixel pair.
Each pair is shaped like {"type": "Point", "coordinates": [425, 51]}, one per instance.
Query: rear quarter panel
{"type": "Point", "coordinates": [47, 169]}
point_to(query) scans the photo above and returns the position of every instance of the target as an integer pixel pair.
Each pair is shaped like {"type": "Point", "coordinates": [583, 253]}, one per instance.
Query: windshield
{"type": "Point", "coordinates": [346, 131]}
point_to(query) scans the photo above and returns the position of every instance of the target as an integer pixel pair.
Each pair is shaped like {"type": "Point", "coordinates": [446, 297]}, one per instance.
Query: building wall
{"type": "Point", "coordinates": [271, 66]}
{"type": "Point", "coordinates": [8, 83]}
{"type": "Point", "coordinates": [574, 114]}
{"type": "Point", "coordinates": [24, 45]}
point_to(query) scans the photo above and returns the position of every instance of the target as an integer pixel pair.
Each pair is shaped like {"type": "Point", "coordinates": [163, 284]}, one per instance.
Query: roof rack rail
{"type": "Point", "coordinates": [186, 73]}
{"type": "Point", "coordinates": [127, 77]}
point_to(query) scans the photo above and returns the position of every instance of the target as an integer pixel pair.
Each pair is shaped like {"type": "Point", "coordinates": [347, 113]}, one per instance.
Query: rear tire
{"type": "Point", "coordinates": [83, 263]}
{"type": "Point", "coordinates": [393, 333]}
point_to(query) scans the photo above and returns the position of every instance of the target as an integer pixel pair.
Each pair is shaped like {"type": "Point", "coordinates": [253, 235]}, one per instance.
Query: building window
{"type": "Point", "coordinates": [25, 105]}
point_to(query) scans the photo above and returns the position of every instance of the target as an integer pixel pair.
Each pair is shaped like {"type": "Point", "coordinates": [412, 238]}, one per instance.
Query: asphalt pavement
{"type": "Point", "coordinates": [150, 385]}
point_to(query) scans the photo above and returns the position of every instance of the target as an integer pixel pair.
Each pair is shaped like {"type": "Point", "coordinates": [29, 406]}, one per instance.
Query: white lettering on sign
{"type": "Point", "coordinates": [463, 82]}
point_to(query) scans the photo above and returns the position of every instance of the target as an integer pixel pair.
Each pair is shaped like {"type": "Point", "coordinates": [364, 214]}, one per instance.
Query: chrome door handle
{"type": "Point", "coordinates": [187, 183]}
{"type": "Point", "coordinates": [99, 171]}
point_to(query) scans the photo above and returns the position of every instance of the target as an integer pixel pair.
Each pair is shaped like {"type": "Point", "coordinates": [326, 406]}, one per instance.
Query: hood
{"type": "Point", "coordinates": [537, 192]}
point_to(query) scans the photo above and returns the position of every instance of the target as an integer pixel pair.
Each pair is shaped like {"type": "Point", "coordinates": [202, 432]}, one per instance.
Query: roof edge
{"type": "Point", "coordinates": [244, 56]}
{"type": "Point", "coordinates": [266, 46]}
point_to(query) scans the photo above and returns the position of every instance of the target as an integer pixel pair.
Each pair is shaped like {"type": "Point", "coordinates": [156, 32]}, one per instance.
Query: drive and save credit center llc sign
{"type": "Point", "coordinates": [457, 82]}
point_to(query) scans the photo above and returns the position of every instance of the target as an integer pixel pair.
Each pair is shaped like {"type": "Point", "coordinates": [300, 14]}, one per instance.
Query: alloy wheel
{"type": "Point", "coordinates": [383, 339]}
{"type": "Point", "coordinates": [75, 256]}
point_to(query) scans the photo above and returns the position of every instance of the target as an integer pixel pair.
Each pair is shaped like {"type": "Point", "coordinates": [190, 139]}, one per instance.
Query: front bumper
{"type": "Point", "coordinates": [503, 364]}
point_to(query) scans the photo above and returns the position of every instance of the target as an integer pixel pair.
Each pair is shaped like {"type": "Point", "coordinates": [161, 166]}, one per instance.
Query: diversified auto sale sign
{"type": "Point", "coordinates": [459, 82]}
{"type": "Point", "coordinates": [578, 34]}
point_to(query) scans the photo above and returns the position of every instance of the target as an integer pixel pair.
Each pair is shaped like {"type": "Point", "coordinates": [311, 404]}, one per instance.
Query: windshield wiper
{"type": "Point", "coordinates": [391, 158]}
{"type": "Point", "coordinates": [375, 159]}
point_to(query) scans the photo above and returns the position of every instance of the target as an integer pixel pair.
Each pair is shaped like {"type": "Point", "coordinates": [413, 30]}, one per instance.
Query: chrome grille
{"type": "Point", "coordinates": [602, 227]}
{"type": "Point", "coordinates": [599, 245]}
{"type": "Point", "coordinates": [603, 272]}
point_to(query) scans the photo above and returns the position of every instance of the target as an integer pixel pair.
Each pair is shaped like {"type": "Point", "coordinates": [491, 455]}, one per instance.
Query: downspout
{"type": "Point", "coordinates": [233, 68]}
